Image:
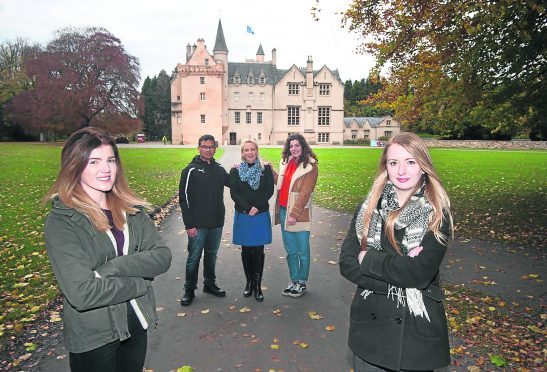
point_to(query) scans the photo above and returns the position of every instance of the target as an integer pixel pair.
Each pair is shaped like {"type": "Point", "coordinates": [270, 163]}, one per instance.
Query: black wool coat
{"type": "Point", "coordinates": [381, 332]}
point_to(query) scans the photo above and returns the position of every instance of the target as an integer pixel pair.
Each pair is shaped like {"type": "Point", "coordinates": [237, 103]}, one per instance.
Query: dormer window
{"type": "Point", "coordinates": [206, 61]}
{"type": "Point", "coordinates": [251, 78]}
{"type": "Point", "coordinates": [237, 78]}
{"type": "Point", "coordinates": [262, 78]}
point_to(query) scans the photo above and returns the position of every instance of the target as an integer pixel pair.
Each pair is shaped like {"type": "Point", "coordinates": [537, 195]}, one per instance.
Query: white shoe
{"type": "Point", "coordinates": [298, 290]}
{"type": "Point", "coordinates": [287, 291]}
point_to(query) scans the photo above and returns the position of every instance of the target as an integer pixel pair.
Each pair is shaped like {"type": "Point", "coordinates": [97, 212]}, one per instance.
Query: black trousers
{"type": "Point", "coordinates": [117, 356]}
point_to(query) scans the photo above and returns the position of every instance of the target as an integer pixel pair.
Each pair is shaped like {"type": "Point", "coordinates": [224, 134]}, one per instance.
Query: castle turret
{"type": "Point", "coordinates": [260, 54]}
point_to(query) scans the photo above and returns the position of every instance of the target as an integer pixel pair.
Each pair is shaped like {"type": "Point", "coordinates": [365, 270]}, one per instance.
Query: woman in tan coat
{"type": "Point", "coordinates": [293, 209]}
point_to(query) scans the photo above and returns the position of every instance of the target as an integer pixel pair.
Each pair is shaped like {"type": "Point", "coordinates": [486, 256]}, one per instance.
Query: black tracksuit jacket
{"type": "Point", "coordinates": [201, 194]}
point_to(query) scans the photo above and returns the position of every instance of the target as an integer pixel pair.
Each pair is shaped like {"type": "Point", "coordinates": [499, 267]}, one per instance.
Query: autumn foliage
{"type": "Point", "coordinates": [83, 77]}
{"type": "Point", "coordinates": [461, 69]}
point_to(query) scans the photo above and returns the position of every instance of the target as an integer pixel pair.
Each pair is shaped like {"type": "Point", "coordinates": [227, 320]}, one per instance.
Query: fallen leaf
{"type": "Point", "coordinates": [314, 315]}
{"type": "Point", "coordinates": [244, 309]}
{"type": "Point", "coordinates": [181, 314]}
{"type": "Point", "coordinates": [206, 311]}
{"type": "Point", "coordinates": [332, 262]}
{"type": "Point", "coordinates": [275, 347]}
{"type": "Point", "coordinates": [330, 328]}
{"type": "Point", "coordinates": [304, 345]}
{"type": "Point", "coordinates": [185, 369]}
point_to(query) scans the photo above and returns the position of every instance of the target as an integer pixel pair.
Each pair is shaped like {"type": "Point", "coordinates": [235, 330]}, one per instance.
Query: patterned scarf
{"type": "Point", "coordinates": [414, 219]}
{"type": "Point", "coordinates": [251, 174]}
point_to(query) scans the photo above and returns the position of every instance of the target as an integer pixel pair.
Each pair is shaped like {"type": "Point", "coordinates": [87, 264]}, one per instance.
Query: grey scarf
{"type": "Point", "coordinates": [414, 220]}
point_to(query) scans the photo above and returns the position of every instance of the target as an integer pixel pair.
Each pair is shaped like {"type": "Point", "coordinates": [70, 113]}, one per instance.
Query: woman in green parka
{"type": "Point", "coordinates": [393, 251]}
{"type": "Point", "coordinates": [105, 252]}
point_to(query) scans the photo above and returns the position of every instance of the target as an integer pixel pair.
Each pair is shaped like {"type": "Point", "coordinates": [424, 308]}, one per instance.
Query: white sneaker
{"type": "Point", "coordinates": [298, 290]}
{"type": "Point", "coordinates": [287, 291]}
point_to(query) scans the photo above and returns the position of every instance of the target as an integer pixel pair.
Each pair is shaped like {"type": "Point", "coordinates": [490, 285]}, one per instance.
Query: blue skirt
{"type": "Point", "coordinates": [252, 230]}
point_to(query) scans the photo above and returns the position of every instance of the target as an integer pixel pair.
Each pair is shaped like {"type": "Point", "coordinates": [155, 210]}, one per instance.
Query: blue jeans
{"type": "Point", "coordinates": [297, 245]}
{"type": "Point", "coordinates": [207, 240]}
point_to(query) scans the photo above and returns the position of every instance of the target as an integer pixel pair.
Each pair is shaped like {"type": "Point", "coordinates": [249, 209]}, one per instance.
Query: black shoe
{"type": "Point", "coordinates": [188, 297]}
{"type": "Point", "coordinates": [214, 290]}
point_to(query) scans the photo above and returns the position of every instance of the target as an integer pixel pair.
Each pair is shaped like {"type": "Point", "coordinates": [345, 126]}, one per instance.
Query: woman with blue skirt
{"type": "Point", "coordinates": [251, 187]}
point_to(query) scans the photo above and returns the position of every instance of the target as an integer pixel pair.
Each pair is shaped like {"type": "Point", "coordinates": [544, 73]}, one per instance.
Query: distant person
{"type": "Point", "coordinates": [251, 187]}
{"type": "Point", "coordinates": [105, 253]}
{"type": "Point", "coordinates": [293, 209]}
{"type": "Point", "coordinates": [201, 198]}
{"type": "Point", "coordinates": [393, 251]}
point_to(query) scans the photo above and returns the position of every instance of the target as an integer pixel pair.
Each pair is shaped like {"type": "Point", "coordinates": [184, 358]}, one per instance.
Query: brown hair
{"type": "Point", "coordinates": [67, 187]}
{"type": "Point", "coordinates": [307, 152]}
{"type": "Point", "coordinates": [434, 190]}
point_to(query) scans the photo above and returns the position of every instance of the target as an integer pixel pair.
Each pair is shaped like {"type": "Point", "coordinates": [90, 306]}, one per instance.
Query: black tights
{"type": "Point", "coordinates": [252, 249]}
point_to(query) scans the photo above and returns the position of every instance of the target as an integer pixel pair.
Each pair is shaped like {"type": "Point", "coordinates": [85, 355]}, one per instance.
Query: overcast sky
{"type": "Point", "coordinates": [156, 32]}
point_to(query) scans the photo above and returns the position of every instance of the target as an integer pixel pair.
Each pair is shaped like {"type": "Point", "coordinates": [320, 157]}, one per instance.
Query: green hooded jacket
{"type": "Point", "coordinates": [96, 283]}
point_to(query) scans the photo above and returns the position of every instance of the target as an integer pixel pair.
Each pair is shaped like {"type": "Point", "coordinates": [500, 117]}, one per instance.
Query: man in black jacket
{"type": "Point", "coordinates": [201, 198]}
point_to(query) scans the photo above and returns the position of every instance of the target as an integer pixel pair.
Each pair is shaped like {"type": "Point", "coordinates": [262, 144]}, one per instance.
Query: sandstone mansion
{"type": "Point", "coordinates": [254, 99]}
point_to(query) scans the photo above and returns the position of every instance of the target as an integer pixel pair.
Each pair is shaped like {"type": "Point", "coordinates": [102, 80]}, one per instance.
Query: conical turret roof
{"type": "Point", "coordinates": [220, 43]}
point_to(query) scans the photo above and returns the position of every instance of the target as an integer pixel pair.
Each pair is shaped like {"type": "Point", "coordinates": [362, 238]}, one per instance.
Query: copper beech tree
{"type": "Point", "coordinates": [83, 77]}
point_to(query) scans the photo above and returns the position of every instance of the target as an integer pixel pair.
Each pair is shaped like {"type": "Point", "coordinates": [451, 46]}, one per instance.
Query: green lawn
{"type": "Point", "coordinates": [495, 195]}
{"type": "Point", "coordinates": [26, 172]}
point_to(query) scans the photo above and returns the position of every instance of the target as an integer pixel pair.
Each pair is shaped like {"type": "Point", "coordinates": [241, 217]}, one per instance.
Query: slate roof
{"type": "Point", "coordinates": [260, 51]}
{"type": "Point", "coordinates": [373, 121]}
{"type": "Point", "coordinates": [243, 68]}
{"type": "Point", "coordinates": [220, 43]}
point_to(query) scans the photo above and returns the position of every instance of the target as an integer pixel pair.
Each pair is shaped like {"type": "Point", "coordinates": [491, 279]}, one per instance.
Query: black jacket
{"type": "Point", "coordinates": [245, 197]}
{"type": "Point", "coordinates": [201, 194]}
{"type": "Point", "coordinates": [381, 332]}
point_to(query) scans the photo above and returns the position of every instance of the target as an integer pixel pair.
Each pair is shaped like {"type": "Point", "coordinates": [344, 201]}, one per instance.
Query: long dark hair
{"type": "Point", "coordinates": [307, 152]}
{"type": "Point", "coordinates": [67, 187]}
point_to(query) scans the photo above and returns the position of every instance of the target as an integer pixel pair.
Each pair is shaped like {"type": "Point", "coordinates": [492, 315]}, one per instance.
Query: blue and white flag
{"type": "Point", "coordinates": [250, 30]}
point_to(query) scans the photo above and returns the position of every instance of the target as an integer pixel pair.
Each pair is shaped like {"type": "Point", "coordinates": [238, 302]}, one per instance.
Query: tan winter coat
{"type": "Point", "coordinates": [300, 200]}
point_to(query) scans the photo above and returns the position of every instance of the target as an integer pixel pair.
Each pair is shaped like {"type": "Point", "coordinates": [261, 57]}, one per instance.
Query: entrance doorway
{"type": "Point", "coordinates": [233, 138]}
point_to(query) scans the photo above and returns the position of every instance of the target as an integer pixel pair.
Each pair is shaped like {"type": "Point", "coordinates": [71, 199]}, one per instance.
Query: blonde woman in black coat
{"type": "Point", "coordinates": [251, 187]}
{"type": "Point", "coordinates": [393, 251]}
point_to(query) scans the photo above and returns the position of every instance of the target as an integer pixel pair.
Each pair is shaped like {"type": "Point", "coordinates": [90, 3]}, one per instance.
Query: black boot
{"type": "Point", "coordinates": [246, 258]}
{"type": "Point", "coordinates": [188, 297]}
{"type": "Point", "coordinates": [258, 268]}
{"type": "Point", "coordinates": [214, 289]}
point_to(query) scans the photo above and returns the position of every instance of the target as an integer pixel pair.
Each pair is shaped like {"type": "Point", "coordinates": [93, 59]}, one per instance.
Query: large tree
{"type": "Point", "coordinates": [459, 65]}
{"type": "Point", "coordinates": [83, 77]}
{"type": "Point", "coordinates": [156, 93]}
{"type": "Point", "coordinates": [13, 79]}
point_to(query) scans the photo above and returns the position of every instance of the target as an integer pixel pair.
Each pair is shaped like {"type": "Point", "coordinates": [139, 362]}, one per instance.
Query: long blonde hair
{"type": "Point", "coordinates": [434, 190]}
{"type": "Point", "coordinates": [68, 188]}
